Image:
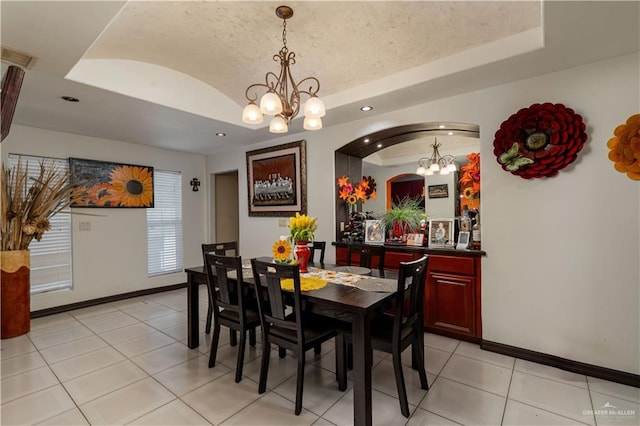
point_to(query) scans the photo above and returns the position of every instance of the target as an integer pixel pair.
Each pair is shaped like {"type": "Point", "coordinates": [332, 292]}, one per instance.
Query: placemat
{"type": "Point", "coordinates": [306, 283]}
{"type": "Point", "coordinates": [353, 270]}
{"type": "Point", "coordinates": [383, 285]}
{"type": "Point", "coordinates": [345, 278]}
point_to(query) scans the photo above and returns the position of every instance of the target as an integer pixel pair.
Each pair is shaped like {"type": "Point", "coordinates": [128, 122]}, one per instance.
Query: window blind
{"type": "Point", "coordinates": [51, 256]}
{"type": "Point", "coordinates": [164, 225]}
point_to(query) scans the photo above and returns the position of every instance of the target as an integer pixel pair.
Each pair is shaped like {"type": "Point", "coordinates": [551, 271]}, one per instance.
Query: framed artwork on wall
{"type": "Point", "coordinates": [441, 233]}
{"type": "Point", "coordinates": [439, 191]}
{"type": "Point", "coordinates": [277, 180]}
{"type": "Point", "coordinates": [105, 184]}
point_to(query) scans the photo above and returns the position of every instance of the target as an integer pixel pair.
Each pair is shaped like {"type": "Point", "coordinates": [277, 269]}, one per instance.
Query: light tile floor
{"type": "Point", "coordinates": [127, 363]}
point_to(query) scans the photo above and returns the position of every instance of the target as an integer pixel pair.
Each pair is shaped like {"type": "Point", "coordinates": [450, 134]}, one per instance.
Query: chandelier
{"type": "Point", "coordinates": [437, 163]}
{"type": "Point", "coordinates": [282, 97]}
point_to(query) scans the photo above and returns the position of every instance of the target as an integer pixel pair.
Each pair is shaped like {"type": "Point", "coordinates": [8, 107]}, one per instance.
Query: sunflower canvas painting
{"type": "Point", "coordinates": [105, 184]}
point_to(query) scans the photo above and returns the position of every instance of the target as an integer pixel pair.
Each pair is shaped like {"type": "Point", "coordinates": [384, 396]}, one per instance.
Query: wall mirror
{"type": "Point", "coordinates": [392, 156]}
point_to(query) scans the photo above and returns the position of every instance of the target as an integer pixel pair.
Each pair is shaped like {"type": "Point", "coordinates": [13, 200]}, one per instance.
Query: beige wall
{"type": "Point", "coordinates": [561, 275]}
{"type": "Point", "coordinates": [111, 258]}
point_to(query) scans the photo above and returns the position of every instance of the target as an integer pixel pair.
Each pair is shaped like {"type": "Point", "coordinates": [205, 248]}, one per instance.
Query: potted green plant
{"type": "Point", "coordinates": [404, 217]}
{"type": "Point", "coordinates": [26, 206]}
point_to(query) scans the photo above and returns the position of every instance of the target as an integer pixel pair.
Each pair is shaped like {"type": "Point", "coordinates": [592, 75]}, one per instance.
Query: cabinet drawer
{"type": "Point", "coordinates": [460, 265]}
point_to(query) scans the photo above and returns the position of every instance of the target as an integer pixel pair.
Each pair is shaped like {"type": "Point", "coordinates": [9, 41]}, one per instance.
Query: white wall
{"type": "Point", "coordinates": [112, 257]}
{"type": "Point", "coordinates": [561, 274]}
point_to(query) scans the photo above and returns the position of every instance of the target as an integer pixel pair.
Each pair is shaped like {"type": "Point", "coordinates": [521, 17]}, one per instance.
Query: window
{"type": "Point", "coordinates": [164, 225]}
{"type": "Point", "coordinates": [51, 256]}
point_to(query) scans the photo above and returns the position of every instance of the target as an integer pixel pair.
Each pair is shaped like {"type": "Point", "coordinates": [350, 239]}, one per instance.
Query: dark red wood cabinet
{"type": "Point", "coordinates": [452, 297]}
{"type": "Point", "coordinates": [452, 304]}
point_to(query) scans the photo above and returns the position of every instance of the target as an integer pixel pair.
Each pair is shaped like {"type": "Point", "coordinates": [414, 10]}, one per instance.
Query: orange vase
{"type": "Point", "coordinates": [303, 253]}
{"type": "Point", "coordinates": [15, 297]}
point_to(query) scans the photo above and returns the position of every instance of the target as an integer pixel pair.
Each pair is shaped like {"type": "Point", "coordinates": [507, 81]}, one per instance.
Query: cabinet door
{"type": "Point", "coordinates": [392, 259]}
{"type": "Point", "coordinates": [450, 303]}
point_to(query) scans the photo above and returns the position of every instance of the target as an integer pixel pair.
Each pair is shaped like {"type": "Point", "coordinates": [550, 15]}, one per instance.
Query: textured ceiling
{"type": "Point", "coordinates": [172, 74]}
{"type": "Point", "coordinates": [230, 45]}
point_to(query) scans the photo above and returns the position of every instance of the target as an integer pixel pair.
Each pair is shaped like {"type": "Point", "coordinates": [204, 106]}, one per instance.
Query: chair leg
{"type": "Point", "coordinates": [349, 355]}
{"type": "Point", "coordinates": [317, 348]}
{"type": "Point", "coordinates": [300, 382]}
{"type": "Point", "coordinates": [233, 337]}
{"type": "Point", "coordinates": [240, 362]}
{"type": "Point", "coordinates": [282, 352]}
{"type": "Point", "coordinates": [264, 367]}
{"type": "Point", "coordinates": [252, 337]}
{"type": "Point", "coordinates": [214, 344]}
{"type": "Point", "coordinates": [341, 363]}
{"type": "Point", "coordinates": [207, 327]}
{"type": "Point", "coordinates": [402, 391]}
{"type": "Point", "coordinates": [418, 355]}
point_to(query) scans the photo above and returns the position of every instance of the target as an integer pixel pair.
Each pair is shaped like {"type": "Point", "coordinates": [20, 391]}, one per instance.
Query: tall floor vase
{"type": "Point", "coordinates": [15, 293]}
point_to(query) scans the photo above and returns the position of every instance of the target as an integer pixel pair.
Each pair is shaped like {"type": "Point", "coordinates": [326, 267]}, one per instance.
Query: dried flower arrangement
{"type": "Point", "coordinates": [28, 203]}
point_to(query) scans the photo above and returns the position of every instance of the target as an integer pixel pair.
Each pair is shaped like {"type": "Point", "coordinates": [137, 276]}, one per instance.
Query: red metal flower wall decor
{"type": "Point", "coordinates": [540, 140]}
{"type": "Point", "coordinates": [625, 147]}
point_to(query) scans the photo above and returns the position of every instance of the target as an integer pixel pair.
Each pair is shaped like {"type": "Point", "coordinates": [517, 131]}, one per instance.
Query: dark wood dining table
{"type": "Point", "coordinates": [343, 302]}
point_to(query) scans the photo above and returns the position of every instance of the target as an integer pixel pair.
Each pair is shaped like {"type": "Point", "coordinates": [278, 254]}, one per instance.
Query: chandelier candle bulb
{"type": "Point", "coordinates": [278, 125]}
{"type": "Point", "coordinates": [312, 123]}
{"type": "Point", "coordinates": [251, 114]}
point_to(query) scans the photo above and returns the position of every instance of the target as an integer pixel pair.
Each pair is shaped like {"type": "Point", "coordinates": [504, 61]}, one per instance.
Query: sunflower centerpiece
{"type": "Point", "coordinates": [301, 231]}
{"type": "Point", "coordinates": [282, 251]}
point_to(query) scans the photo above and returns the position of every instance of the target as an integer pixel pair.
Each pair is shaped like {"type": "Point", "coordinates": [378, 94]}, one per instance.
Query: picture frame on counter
{"type": "Point", "coordinates": [415, 240]}
{"type": "Point", "coordinates": [464, 240]}
{"type": "Point", "coordinates": [374, 232]}
{"type": "Point", "coordinates": [441, 233]}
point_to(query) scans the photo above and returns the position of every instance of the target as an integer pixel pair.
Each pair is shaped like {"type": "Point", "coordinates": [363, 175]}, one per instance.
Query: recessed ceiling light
{"type": "Point", "coordinates": [70, 99]}
{"type": "Point", "coordinates": [367, 140]}
{"type": "Point", "coordinates": [221, 134]}
{"type": "Point", "coordinates": [379, 145]}
{"type": "Point", "coordinates": [450, 133]}
{"type": "Point", "coordinates": [366, 108]}
{"type": "Point", "coordinates": [442, 126]}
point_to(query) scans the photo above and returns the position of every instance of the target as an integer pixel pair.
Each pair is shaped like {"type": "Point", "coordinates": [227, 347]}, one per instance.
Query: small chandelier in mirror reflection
{"type": "Point", "coordinates": [282, 97]}
{"type": "Point", "coordinates": [436, 164]}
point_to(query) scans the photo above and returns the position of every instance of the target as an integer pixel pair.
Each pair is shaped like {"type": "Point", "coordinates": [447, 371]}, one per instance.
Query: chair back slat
{"type": "Point", "coordinates": [226, 293]}
{"type": "Point", "coordinates": [229, 248]}
{"type": "Point", "coordinates": [267, 278]}
{"type": "Point", "coordinates": [321, 247]}
{"type": "Point", "coordinates": [367, 255]}
{"type": "Point", "coordinates": [410, 296]}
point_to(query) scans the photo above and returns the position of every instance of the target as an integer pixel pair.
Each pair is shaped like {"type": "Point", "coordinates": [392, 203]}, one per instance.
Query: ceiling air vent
{"type": "Point", "coordinates": [18, 58]}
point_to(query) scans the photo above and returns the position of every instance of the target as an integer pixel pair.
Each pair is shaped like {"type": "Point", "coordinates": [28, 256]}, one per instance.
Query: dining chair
{"type": "Point", "coordinates": [229, 248]}
{"type": "Point", "coordinates": [232, 308]}
{"type": "Point", "coordinates": [396, 331]}
{"type": "Point", "coordinates": [320, 246]}
{"type": "Point", "coordinates": [367, 255]}
{"type": "Point", "coordinates": [292, 328]}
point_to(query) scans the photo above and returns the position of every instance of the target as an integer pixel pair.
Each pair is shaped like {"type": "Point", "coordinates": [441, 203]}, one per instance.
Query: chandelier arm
{"type": "Point", "coordinates": [255, 97]}
{"type": "Point", "coordinates": [311, 92]}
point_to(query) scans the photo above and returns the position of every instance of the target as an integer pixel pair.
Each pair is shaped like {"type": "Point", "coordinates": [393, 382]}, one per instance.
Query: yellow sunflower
{"type": "Point", "coordinates": [468, 192]}
{"type": "Point", "coordinates": [281, 250]}
{"type": "Point", "coordinates": [132, 186]}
